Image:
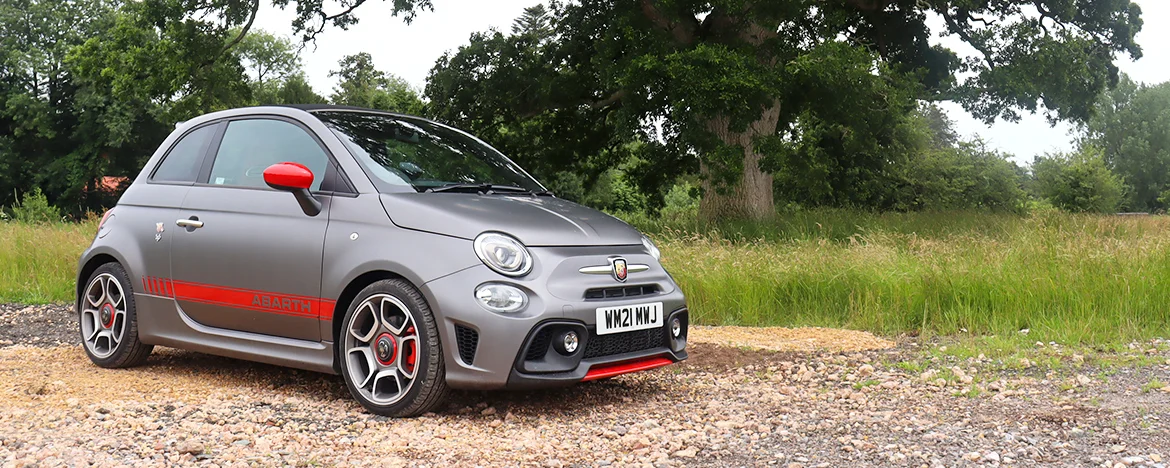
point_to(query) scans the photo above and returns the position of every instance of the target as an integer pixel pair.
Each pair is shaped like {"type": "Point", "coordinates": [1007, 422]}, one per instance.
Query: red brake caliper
{"type": "Point", "coordinates": [410, 358]}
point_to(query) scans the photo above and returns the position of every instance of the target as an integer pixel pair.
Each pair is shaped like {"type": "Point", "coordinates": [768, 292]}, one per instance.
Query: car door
{"type": "Point", "coordinates": [246, 257]}
{"type": "Point", "coordinates": [151, 208]}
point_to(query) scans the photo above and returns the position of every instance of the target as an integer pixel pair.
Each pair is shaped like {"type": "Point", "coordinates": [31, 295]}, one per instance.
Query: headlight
{"type": "Point", "coordinates": [504, 254]}
{"type": "Point", "coordinates": [650, 247]}
{"type": "Point", "coordinates": [501, 298]}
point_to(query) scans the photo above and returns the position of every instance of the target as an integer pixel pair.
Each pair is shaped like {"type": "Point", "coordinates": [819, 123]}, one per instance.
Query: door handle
{"type": "Point", "coordinates": [191, 224]}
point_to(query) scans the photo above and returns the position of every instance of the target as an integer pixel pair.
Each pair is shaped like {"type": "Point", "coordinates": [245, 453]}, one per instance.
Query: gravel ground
{"type": "Point", "coordinates": [876, 404]}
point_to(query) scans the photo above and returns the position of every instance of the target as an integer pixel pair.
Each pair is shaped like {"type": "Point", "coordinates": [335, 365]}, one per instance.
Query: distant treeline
{"type": "Point", "coordinates": [89, 88]}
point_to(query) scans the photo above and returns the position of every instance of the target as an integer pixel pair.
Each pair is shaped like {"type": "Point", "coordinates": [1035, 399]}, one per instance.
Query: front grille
{"type": "Point", "coordinates": [627, 342]}
{"type": "Point", "coordinates": [621, 291]}
{"type": "Point", "coordinates": [468, 340]}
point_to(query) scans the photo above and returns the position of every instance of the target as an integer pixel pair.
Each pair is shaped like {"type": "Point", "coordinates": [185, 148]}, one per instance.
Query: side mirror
{"type": "Point", "coordinates": [295, 178]}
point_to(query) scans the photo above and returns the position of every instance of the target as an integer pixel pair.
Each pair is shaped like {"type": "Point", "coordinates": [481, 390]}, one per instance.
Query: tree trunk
{"type": "Point", "coordinates": [750, 196]}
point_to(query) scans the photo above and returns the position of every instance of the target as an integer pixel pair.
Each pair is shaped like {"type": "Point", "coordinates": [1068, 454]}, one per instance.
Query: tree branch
{"type": "Point", "coordinates": [244, 30]}
{"type": "Point", "coordinates": [682, 31]}
{"type": "Point", "coordinates": [347, 11]}
{"type": "Point", "coordinates": [966, 36]}
{"type": "Point", "coordinates": [609, 101]}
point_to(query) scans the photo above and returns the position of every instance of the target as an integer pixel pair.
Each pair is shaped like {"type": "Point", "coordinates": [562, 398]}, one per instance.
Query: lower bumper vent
{"type": "Point", "coordinates": [468, 341]}
{"type": "Point", "coordinates": [621, 343]}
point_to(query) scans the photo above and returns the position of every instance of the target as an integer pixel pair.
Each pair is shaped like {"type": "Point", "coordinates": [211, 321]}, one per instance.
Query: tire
{"type": "Point", "coordinates": [390, 352]}
{"type": "Point", "coordinates": [107, 319]}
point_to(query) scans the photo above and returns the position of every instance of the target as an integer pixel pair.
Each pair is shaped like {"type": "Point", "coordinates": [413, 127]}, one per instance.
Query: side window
{"type": "Point", "coordinates": [250, 146]}
{"type": "Point", "coordinates": [182, 163]}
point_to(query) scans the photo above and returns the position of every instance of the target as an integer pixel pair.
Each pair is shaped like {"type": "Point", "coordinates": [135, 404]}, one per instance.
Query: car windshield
{"type": "Point", "coordinates": [408, 152]}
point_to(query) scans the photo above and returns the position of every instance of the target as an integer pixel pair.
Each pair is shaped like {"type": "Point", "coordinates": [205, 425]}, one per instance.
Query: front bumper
{"type": "Point", "coordinates": [485, 350]}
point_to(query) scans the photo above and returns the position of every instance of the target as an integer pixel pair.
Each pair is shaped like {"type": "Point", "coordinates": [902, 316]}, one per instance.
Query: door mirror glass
{"type": "Point", "coordinates": [288, 176]}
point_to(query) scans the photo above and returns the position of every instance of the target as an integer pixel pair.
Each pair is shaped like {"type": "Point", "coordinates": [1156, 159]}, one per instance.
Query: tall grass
{"type": "Point", "coordinates": [1070, 278]}
{"type": "Point", "coordinates": [38, 261]}
{"type": "Point", "coordinates": [1086, 279]}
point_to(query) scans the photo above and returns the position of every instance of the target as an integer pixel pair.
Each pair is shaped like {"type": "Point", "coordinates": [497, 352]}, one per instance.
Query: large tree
{"type": "Point", "coordinates": [361, 84]}
{"type": "Point", "coordinates": [732, 84]}
{"type": "Point", "coordinates": [1132, 129]}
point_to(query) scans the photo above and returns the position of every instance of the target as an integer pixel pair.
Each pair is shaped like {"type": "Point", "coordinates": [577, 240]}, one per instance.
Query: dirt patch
{"type": "Point", "coordinates": [805, 339]}
{"type": "Point", "coordinates": [823, 401]}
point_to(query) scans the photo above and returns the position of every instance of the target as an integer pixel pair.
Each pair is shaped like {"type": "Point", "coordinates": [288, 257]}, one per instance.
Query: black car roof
{"type": "Point", "coordinates": [329, 107]}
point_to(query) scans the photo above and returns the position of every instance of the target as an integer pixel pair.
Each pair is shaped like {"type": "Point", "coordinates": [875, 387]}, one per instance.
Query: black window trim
{"type": "Point", "coordinates": [334, 178]}
{"type": "Point", "coordinates": [202, 158]}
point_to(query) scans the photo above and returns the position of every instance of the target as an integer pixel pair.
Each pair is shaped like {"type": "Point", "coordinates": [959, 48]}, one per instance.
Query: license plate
{"type": "Point", "coordinates": [628, 318]}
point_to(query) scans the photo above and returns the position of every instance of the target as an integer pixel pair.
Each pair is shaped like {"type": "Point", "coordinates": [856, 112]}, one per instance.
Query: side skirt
{"type": "Point", "coordinates": [162, 322]}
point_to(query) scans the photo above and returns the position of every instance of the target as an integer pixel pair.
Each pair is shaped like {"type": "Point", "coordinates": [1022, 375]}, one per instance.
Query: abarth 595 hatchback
{"type": "Point", "coordinates": [407, 256]}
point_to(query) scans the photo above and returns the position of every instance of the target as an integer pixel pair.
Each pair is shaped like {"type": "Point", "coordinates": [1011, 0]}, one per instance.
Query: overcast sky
{"type": "Point", "coordinates": [410, 51]}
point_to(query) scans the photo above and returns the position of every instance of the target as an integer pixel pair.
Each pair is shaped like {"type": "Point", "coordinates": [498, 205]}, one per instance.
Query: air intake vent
{"type": "Point", "coordinates": [621, 343]}
{"type": "Point", "coordinates": [620, 292]}
{"type": "Point", "coordinates": [468, 341]}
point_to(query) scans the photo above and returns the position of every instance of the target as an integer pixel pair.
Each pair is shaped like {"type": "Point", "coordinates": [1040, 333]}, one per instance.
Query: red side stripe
{"type": "Point", "coordinates": [297, 306]}
{"type": "Point", "coordinates": [610, 370]}
{"type": "Point", "coordinates": [177, 283]}
{"type": "Point", "coordinates": [325, 311]}
{"type": "Point", "coordinates": [288, 304]}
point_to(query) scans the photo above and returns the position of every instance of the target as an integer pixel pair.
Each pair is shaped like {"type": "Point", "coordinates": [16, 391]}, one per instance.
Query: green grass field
{"type": "Point", "coordinates": [1083, 279]}
{"type": "Point", "coordinates": [38, 262]}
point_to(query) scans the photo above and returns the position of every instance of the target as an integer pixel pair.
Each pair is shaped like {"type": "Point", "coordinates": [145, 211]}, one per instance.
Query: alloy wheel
{"type": "Point", "coordinates": [103, 315]}
{"type": "Point", "coordinates": [381, 349]}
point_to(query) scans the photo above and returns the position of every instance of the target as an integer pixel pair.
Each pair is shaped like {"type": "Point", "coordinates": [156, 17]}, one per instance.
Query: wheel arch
{"type": "Point", "coordinates": [87, 269]}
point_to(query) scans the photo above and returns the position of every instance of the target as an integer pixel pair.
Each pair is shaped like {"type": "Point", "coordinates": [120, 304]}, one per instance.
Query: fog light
{"type": "Point", "coordinates": [568, 343]}
{"type": "Point", "coordinates": [675, 327]}
{"type": "Point", "coordinates": [501, 298]}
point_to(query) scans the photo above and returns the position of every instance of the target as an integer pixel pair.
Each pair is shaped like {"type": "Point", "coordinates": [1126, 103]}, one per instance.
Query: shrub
{"type": "Point", "coordinates": [34, 208]}
{"type": "Point", "coordinates": [1078, 182]}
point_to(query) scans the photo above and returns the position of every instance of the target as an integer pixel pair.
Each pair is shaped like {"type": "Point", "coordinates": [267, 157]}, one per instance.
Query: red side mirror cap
{"type": "Point", "coordinates": [288, 176]}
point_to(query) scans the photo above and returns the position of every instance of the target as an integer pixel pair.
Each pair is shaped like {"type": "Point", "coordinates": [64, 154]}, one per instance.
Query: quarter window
{"type": "Point", "coordinates": [182, 163]}
{"type": "Point", "coordinates": [250, 146]}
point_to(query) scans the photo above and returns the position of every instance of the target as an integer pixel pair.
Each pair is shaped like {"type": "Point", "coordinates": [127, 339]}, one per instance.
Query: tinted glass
{"type": "Point", "coordinates": [250, 146]}
{"type": "Point", "coordinates": [402, 151]}
{"type": "Point", "coordinates": [182, 163]}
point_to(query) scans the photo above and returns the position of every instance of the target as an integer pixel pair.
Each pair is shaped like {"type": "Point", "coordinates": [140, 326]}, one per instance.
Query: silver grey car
{"type": "Point", "coordinates": [407, 256]}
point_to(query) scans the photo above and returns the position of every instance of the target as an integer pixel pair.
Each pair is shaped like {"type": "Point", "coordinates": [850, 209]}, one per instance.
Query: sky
{"type": "Point", "coordinates": [409, 51]}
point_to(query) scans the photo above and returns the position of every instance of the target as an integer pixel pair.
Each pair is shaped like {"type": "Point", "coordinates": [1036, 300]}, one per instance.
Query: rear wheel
{"type": "Point", "coordinates": [108, 320]}
{"type": "Point", "coordinates": [391, 356]}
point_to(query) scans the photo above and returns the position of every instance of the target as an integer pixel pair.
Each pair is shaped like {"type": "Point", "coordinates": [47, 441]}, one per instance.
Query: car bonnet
{"type": "Point", "coordinates": [535, 221]}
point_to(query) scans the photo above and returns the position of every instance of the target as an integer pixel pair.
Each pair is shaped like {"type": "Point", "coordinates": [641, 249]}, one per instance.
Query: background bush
{"type": "Point", "coordinates": [34, 208]}
{"type": "Point", "coordinates": [1078, 182]}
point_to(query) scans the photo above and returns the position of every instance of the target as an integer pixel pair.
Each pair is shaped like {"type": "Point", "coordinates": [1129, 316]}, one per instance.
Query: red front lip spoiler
{"type": "Point", "coordinates": [610, 370]}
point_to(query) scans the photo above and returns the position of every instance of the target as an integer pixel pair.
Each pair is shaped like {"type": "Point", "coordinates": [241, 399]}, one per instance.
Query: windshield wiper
{"type": "Point", "coordinates": [477, 188]}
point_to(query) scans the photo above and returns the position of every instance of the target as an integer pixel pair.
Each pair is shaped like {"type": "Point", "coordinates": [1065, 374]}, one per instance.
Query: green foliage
{"type": "Point", "coordinates": [89, 88]}
{"type": "Point", "coordinates": [1132, 127]}
{"type": "Point", "coordinates": [363, 85]}
{"type": "Point", "coordinates": [812, 92]}
{"type": "Point", "coordinates": [913, 161]}
{"type": "Point", "coordinates": [1078, 182]}
{"type": "Point", "coordinates": [34, 208]}
{"type": "Point", "coordinates": [535, 21]}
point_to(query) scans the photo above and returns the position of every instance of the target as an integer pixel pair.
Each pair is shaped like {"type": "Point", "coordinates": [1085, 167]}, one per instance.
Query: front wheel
{"type": "Point", "coordinates": [392, 359]}
{"type": "Point", "coordinates": [108, 320]}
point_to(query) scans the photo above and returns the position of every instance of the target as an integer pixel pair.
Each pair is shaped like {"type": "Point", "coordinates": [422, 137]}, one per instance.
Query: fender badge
{"type": "Point", "coordinates": [158, 230]}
